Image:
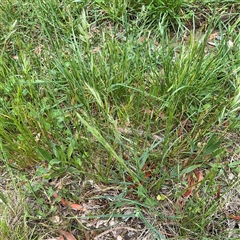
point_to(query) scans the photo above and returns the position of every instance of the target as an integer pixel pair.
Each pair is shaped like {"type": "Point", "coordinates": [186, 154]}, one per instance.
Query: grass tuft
{"type": "Point", "coordinates": [129, 109]}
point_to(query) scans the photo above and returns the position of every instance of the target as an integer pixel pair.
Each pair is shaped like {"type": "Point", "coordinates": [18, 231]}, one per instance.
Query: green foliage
{"type": "Point", "coordinates": [101, 91]}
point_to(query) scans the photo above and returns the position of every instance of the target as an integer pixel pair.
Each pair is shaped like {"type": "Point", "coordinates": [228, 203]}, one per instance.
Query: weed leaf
{"type": "Point", "coordinates": [190, 169]}
{"type": "Point", "coordinates": [70, 149]}
{"type": "Point", "coordinates": [45, 154]}
{"type": "Point", "coordinates": [66, 235]}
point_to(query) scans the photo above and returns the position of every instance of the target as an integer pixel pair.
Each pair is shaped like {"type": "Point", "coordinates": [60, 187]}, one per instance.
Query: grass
{"type": "Point", "coordinates": [125, 108]}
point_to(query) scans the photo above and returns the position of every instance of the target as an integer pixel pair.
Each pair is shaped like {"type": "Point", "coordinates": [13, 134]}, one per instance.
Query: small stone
{"type": "Point", "coordinates": [231, 176]}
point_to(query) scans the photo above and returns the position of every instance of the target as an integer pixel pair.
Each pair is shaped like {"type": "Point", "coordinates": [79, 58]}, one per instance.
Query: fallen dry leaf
{"type": "Point", "coordinates": [57, 238]}
{"type": "Point", "coordinates": [147, 174]}
{"type": "Point", "coordinates": [66, 203]}
{"type": "Point", "coordinates": [190, 188]}
{"type": "Point", "coordinates": [66, 235]}
{"type": "Point", "coordinates": [213, 35]}
{"type": "Point", "coordinates": [180, 203]}
{"type": "Point", "coordinates": [86, 234]}
{"type": "Point", "coordinates": [234, 217]}
{"type": "Point", "coordinates": [188, 193]}
{"type": "Point", "coordinates": [219, 191]}
{"type": "Point", "coordinates": [96, 50]}
{"type": "Point", "coordinates": [142, 39]}
{"type": "Point", "coordinates": [198, 175]}
{"type": "Point", "coordinates": [77, 207]}
{"type": "Point", "coordinates": [192, 181]}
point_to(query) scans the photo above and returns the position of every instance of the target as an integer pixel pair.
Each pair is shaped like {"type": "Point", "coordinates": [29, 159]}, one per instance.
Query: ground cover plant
{"type": "Point", "coordinates": [119, 119]}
